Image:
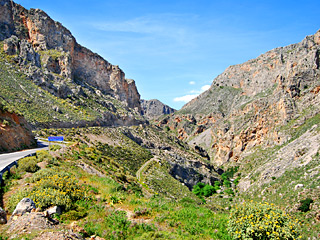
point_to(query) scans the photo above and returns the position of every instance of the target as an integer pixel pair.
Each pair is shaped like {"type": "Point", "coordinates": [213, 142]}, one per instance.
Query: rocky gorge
{"type": "Point", "coordinates": [138, 169]}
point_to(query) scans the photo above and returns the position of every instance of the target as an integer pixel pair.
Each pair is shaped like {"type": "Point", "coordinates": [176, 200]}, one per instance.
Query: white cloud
{"type": "Point", "coordinates": [186, 98]}
{"type": "Point", "coordinates": [205, 88]}
{"type": "Point", "coordinates": [192, 82]}
{"type": "Point", "coordinates": [189, 97]}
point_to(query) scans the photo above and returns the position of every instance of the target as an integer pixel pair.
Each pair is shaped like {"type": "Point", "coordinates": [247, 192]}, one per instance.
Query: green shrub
{"type": "Point", "coordinates": [16, 198]}
{"type": "Point", "coordinates": [198, 189]}
{"type": "Point", "coordinates": [208, 190]}
{"type": "Point", "coordinates": [53, 190]}
{"type": "Point", "coordinates": [227, 183]}
{"type": "Point", "coordinates": [141, 212]}
{"type": "Point", "coordinates": [28, 164]}
{"type": "Point", "coordinates": [5, 122]}
{"type": "Point", "coordinates": [217, 185]}
{"type": "Point", "coordinates": [43, 155]}
{"type": "Point", "coordinates": [46, 197]}
{"type": "Point", "coordinates": [229, 191]}
{"type": "Point", "coordinates": [73, 215]}
{"type": "Point", "coordinates": [261, 221]}
{"type": "Point", "coordinates": [45, 173]}
{"type": "Point", "coordinates": [203, 190]}
{"type": "Point", "coordinates": [236, 181]}
{"type": "Point", "coordinates": [305, 205]}
{"type": "Point", "coordinates": [68, 185]}
{"type": "Point", "coordinates": [55, 147]}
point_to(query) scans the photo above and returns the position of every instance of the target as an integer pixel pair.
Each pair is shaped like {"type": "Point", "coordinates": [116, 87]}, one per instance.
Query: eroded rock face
{"type": "Point", "coordinates": [6, 20]}
{"type": "Point", "coordinates": [51, 54]}
{"type": "Point", "coordinates": [154, 108]}
{"type": "Point", "coordinates": [15, 133]}
{"type": "Point", "coordinates": [248, 103]}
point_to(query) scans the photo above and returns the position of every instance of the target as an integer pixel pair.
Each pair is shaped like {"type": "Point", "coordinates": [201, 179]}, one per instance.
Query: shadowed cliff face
{"type": "Point", "coordinates": [59, 58]}
{"type": "Point", "coordinates": [249, 104]}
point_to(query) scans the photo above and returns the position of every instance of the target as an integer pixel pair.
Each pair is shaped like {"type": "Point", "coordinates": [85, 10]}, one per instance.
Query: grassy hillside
{"type": "Point", "coordinates": [115, 205]}
{"type": "Point", "coordinates": [103, 197]}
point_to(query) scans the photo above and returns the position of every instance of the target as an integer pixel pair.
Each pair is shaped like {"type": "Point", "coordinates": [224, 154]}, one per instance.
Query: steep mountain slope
{"type": "Point", "coordinates": [246, 103]}
{"type": "Point", "coordinates": [154, 108]}
{"type": "Point", "coordinates": [262, 115]}
{"type": "Point", "coordinates": [79, 86]}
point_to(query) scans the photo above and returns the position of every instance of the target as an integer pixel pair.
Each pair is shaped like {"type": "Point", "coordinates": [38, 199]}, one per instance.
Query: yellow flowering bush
{"type": "Point", "coordinates": [45, 173]}
{"type": "Point", "coordinates": [261, 221]}
{"type": "Point", "coordinates": [65, 184]}
{"type": "Point", "coordinates": [28, 164]}
{"type": "Point", "coordinates": [52, 190]}
{"type": "Point", "coordinates": [46, 197]}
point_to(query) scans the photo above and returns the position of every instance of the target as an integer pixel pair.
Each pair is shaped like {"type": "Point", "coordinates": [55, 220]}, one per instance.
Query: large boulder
{"type": "Point", "coordinates": [24, 206]}
{"type": "Point", "coordinates": [54, 210]}
{"type": "Point", "coordinates": [3, 216]}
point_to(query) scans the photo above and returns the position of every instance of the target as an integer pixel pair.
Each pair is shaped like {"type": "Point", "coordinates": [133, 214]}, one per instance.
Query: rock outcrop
{"type": "Point", "coordinates": [26, 205]}
{"type": "Point", "coordinates": [249, 104]}
{"type": "Point", "coordinates": [3, 216]}
{"type": "Point", "coordinates": [74, 62]}
{"type": "Point", "coordinates": [154, 108]}
{"type": "Point", "coordinates": [15, 133]}
{"type": "Point", "coordinates": [50, 56]}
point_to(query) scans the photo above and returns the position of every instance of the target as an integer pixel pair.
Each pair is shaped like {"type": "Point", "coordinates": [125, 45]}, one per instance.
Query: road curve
{"type": "Point", "coordinates": [7, 158]}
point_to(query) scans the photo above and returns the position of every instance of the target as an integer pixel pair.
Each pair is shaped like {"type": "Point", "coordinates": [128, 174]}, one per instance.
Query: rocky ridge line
{"type": "Point", "coordinates": [154, 108]}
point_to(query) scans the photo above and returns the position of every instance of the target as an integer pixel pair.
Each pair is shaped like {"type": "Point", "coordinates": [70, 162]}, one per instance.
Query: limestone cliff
{"type": "Point", "coordinates": [249, 104]}
{"type": "Point", "coordinates": [154, 108]}
{"type": "Point", "coordinates": [50, 56]}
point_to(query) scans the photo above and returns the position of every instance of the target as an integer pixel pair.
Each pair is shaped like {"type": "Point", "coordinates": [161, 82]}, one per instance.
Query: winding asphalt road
{"type": "Point", "coordinates": [7, 158]}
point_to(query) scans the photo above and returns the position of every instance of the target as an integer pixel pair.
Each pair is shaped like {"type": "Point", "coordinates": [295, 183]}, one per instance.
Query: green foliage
{"type": "Point", "coordinates": [6, 122]}
{"type": "Point", "coordinates": [73, 215]}
{"type": "Point", "coordinates": [3, 238]}
{"type": "Point", "coordinates": [261, 221]}
{"type": "Point", "coordinates": [217, 185]}
{"type": "Point", "coordinates": [46, 197]}
{"type": "Point", "coordinates": [198, 189]}
{"type": "Point", "coordinates": [116, 226]}
{"type": "Point", "coordinates": [16, 198]}
{"type": "Point", "coordinates": [229, 191]}
{"type": "Point", "coordinates": [43, 155]}
{"type": "Point", "coordinates": [190, 221]}
{"type": "Point", "coordinates": [236, 181]}
{"type": "Point", "coordinates": [305, 205]}
{"type": "Point", "coordinates": [229, 173]}
{"type": "Point", "coordinates": [208, 190]}
{"type": "Point", "coordinates": [45, 174]}
{"type": "Point", "coordinates": [28, 164]}
{"type": "Point", "coordinates": [201, 189]}
{"type": "Point", "coordinates": [226, 183]}
{"type": "Point", "coordinates": [141, 212]}
{"type": "Point", "coordinates": [55, 147]}
{"type": "Point", "coordinates": [52, 190]}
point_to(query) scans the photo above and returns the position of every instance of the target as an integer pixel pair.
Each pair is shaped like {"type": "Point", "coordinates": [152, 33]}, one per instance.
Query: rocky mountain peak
{"type": "Point", "coordinates": [154, 108]}
{"type": "Point", "coordinates": [247, 105]}
{"type": "Point", "coordinates": [37, 36]}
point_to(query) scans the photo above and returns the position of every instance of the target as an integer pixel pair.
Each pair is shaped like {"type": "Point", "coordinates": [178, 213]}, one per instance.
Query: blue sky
{"type": "Point", "coordinates": [174, 49]}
